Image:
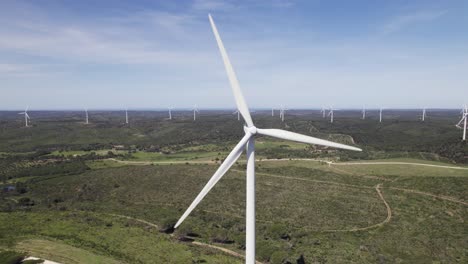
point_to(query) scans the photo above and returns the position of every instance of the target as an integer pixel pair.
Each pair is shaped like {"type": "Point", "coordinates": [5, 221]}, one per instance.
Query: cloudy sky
{"type": "Point", "coordinates": [154, 54]}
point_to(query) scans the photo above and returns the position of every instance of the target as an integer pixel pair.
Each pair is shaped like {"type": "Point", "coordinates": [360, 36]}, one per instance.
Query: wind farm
{"type": "Point", "coordinates": [142, 174]}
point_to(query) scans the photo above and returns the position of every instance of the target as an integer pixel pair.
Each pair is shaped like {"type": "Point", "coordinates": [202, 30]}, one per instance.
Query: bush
{"type": "Point", "coordinates": [11, 257]}
{"type": "Point", "coordinates": [25, 201]}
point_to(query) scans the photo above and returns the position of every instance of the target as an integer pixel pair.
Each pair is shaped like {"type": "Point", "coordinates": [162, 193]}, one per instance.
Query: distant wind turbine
{"type": "Point", "coordinates": [363, 112]}
{"type": "Point", "coordinates": [272, 112]}
{"type": "Point", "coordinates": [380, 115]}
{"type": "Point", "coordinates": [86, 116]}
{"type": "Point", "coordinates": [26, 116]}
{"type": "Point", "coordinates": [238, 114]}
{"type": "Point", "coordinates": [423, 117]}
{"type": "Point", "coordinates": [282, 112]}
{"type": "Point", "coordinates": [324, 112]}
{"type": "Point", "coordinates": [331, 113]}
{"type": "Point", "coordinates": [126, 116]}
{"type": "Point", "coordinates": [463, 120]}
{"type": "Point", "coordinates": [170, 113]}
{"type": "Point", "coordinates": [248, 142]}
{"type": "Point", "coordinates": [195, 111]}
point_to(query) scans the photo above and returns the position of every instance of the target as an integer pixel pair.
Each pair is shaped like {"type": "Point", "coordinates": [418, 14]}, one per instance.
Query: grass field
{"type": "Point", "coordinates": [326, 213]}
{"type": "Point", "coordinates": [402, 200]}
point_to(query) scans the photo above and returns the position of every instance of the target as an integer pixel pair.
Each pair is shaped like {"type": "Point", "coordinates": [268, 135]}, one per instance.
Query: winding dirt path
{"type": "Point", "coordinates": [387, 220]}
{"type": "Point", "coordinates": [441, 197]}
{"type": "Point", "coordinates": [399, 163]}
{"type": "Point", "coordinates": [198, 243]}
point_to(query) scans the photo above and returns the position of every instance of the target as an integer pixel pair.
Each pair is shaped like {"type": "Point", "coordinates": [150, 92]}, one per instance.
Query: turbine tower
{"type": "Point", "coordinates": [170, 113]}
{"type": "Point", "coordinates": [126, 115]}
{"type": "Point", "coordinates": [272, 112]}
{"type": "Point", "coordinates": [380, 115]}
{"type": "Point", "coordinates": [323, 111]}
{"type": "Point", "coordinates": [363, 112]}
{"type": "Point", "coordinates": [331, 114]}
{"type": "Point", "coordinates": [86, 116]}
{"type": "Point", "coordinates": [238, 114]}
{"type": "Point", "coordinates": [423, 117]}
{"type": "Point", "coordinates": [26, 116]}
{"type": "Point", "coordinates": [282, 112]}
{"type": "Point", "coordinates": [249, 141]}
{"type": "Point", "coordinates": [463, 120]}
{"type": "Point", "coordinates": [195, 111]}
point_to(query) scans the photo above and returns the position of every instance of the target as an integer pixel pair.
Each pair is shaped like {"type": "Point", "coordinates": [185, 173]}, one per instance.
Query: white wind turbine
{"type": "Point", "coordinates": [170, 112]}
{"type": "Point", "coordinates": [195, 111]}
{"type": "Point", "coordinates": [423, 117]}
{"type": "Point", "coordinates": [464, 121]}
{"type": "Point", "coordinates": [363, 112]}
{"type": "Point", "coordinates": [248, 141]}
{"type": "Point", "coordinates": [324, 112]}
{"type": "Point", "coordinates": [126, 115]}
{"type": "Point", "coordinates": [238, 114]}
{"type": "Point", "coordinates": [86, 116]}
{"type": "Point", "coordinates": [282, 112]}
{"type": "Point", "coordinates": [380, 115]}
{"type": "Point", "coordinates": [272, 111]}
{"type": "Point", "coordinates": [26, 116]}
{"type": "Point", "coordinates": [331, 113]}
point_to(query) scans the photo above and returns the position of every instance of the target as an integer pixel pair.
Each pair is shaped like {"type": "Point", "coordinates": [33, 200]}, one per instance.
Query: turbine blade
{"type": "Point", "coordinates": [228, 162]}
{"type": "Point", "coordinates": [240, 101]}
{"type": "Point", "coordinates": [283, 134]}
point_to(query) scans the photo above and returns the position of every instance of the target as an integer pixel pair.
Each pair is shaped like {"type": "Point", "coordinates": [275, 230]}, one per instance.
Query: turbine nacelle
{"type": "Point", "coordinates": [252, 130]}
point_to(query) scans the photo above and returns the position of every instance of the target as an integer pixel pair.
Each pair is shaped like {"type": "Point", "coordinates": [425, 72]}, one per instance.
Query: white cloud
{"type": "Point", "coordinates": [212, 5]}
{"type": "Point", "coordinates": [402, 21]}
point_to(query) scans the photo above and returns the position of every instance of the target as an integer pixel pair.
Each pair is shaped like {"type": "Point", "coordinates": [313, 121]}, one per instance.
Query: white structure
{"type": "Point", "coordinates": [323, 111]}
{"type": "Point", "coordinates": [86, 116]}
{"type": "Point", "coordinates": [331, 114]}
{"type": "Point", "coordinates": [126, 116]}
{"type": "Point", "coordinates": [170, 112]}
{"type": "Point", "coordinates": [423, 117]}
{"type": "Point", "coordinates": [282, 112]}
{"type": "Point", "coordinates": [463, 120]}
{"type": "Point", "coordinates": [248, 140]}
{"type": "Point", "coordinates": [380, 115]}
{"type": "Point", "coordinates": [238, 114]}
{"type": "Point", "coordinates": [195, 111]}
{"type": "Point", "coordinates": [26, 116]}
{"type": "Point", "coordinates": [272, 112]}
{"type": "Point", "coordinates": [363, 112]}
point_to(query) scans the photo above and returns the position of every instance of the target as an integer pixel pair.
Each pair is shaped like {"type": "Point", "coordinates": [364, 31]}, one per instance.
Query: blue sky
{"type": "Point", "coordinates": [154, 54]}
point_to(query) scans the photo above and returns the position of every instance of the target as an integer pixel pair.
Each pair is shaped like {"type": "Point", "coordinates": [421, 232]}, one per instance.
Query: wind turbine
{"type": "Point", "coordinates": [86, 116]}
{"type": "Point", "coordinates": [380, 115]}
{"type": "Point", "coordinates": [423, 117]}
{"type": "Point", "coordinates": [238, 114]}
{"type": "Point", "coordinates": [126, 116]}
{"type": "Point", "coordinates": [272, 111]}
{"type": "Point", "coordinates": [195, 111]}
{"type": "Point", "coordinates": [170, 113]}
{"type": "Point", "coordinates": [331, 114]}
{"type": "Point", "coordinates": [282, 112]}
{"type": "Point", "coordinates": [464, 117]}
{"type": "Point", "coordinates": [323, 111]}
{"type": "Point", "coordinates": [363, 112]}
{"type": "Point", "coordinates": [26, 116]}
{"type": "Point", "coordinates": [248, 141]}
